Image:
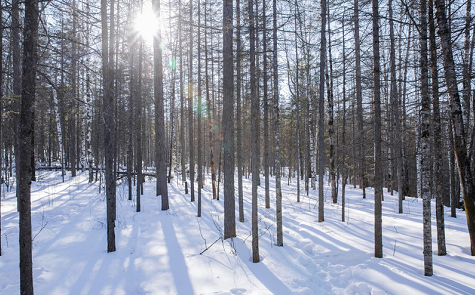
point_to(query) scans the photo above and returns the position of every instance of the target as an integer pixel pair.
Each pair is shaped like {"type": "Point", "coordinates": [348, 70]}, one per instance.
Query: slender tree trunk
{"type": "Point", "coordinates": [425, 145]}
{"type": "Point", "coordinates": [191, 139]}
{"type": "Point", "coordinates": [297, 106]}
{"type": "Point", "coordinates": [378, 180]}
{"type": "Point", "coordinates": [463, 161]}
{"type": "Point", "coordinates": [331, 128]}
{"type": "Point", "coordinates": [182, 100]}
{"type": "Point", "coordinates": [344, 173]}
{"type": "Point", "coordinates": [72, 144]}
{"type": "Point", "coordinates": [160, 146]}
{"type": "Point", "coordinates": [89, 154]}
{"type": "Point", "coordinates": [211, 123]}
{"type": "Point", "coordinates": [228, 121]}
{"type": "Point", "coordinates": [278, 191]}
{"type": "Point", "coordinates": [139, 122]}
{"type": "Point", "coordinates": [108, 117]}
{"type": "Point", "coordinates": [321, 109]}
{"type": "Point", "coordinates": [28, 93]}
{"type": "Point", "coordinates": [238, 111]}
{"type": "Point", "coordinates": [266, 106]}
{"type": "Point", "coordinates": [437, 138]}
{"type": "Point", "coordinates": [359, 101]}
{"type": "Point", "coordinates": [254, 131]}
{"type": "Point", "coordinates": [395, 108]}
{"type": "Point", "coordinates": [16, 66]}
{"type": "Point", "coordinates": [200, 168]}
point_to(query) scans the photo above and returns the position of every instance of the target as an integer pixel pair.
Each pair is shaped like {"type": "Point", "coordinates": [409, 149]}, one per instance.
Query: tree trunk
{"type": "Point", "coordinates": [437, 138]}
{"type": "Point", "coordinates": [359, 101]}
{"type": "Point", "coordinates": [108, 118]}
{"type": "Point", "coordinates": [278, 192]}
{"type": "Point", "coordinates": [425, 162]}
{"type": "Point", "coordinates": [28, 93]}
{"type": "Point", "coordinates": [266, 106]}
{"type": "Point", "coordinates": [458, 128]}
{"type": "Point", "coordinates": [378, 181]}
{"type": "Point", "coordinates": [182, 100]}
{"type": "Point", "coordinates": [331, 128]}
{"type": "Point", "coordinates": [191, 139]}
{"type": "Point", "coordinates": [160, 146]}
{"type": "Point", "coordinates": [228, 121]}
{"type": "Point", "coordinates": [16, 65]}
{"type": "Point", "coordinates": [321, 109]}
{"type": "Point", "coordinates": [238, 111]}
{"type": "Point", "coordinates": [200, 168]}
{"type": "Point", "coordinates": [254, 133]}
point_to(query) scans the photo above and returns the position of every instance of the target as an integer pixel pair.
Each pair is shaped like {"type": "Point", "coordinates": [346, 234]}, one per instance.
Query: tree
{"type": "Point", "coordinates": [228, 121]}
{"type": "Point", "coordinates": [321, 140]}
{"type": "Point", "coordinates": [254, 132]}
{"type": "Point", "coordinates": [109, 130]}
{"type": "Point", "coordinates": [238, 111]}
{"type": "Point", "coordinates": [378, 181]}
{"type": "Point", "coordinates": [191, 136]}
{"type": "Point", "coordinates": [160, 149]}
{"type": "Point", "coordinates": [200, 107]}
{"type": "Point", "coordinates": [458, 128]}
{"type": "Point", "coordinates": [359, 100]}
{"type": "Point", "coordinates": [437, 140]}
{"type": "Point", "coordinates": [425, 144]}
{"type": "Point", "coordinates": [28, 94]}
{"type": "Point", "coordinates": [278, 191]}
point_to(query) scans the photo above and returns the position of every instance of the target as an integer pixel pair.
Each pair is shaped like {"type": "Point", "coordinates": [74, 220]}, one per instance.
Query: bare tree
{"type": "Point", "coordinates": [425, 144]}
{"type": "Point", "coordinates": [254, 132]}
{"type": "Point", "coordinates": [108, 114]}
{"type": "Point", "coordinates": [228, 121]}
{"type": "Point", "coordinates": [321, 109]}
{"type": "Point", "coordinates": [278, 191]}
{"type": "Point", "coordinates": [160, 153]}
{"type": "Point", "coordinates": [28, 94]}
{"type": "Point", "coordinates": [378, 180]}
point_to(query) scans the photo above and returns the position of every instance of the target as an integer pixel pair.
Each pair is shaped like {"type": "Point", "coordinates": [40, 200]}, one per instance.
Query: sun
{"type": "Point", "coordinates": [147, 23]}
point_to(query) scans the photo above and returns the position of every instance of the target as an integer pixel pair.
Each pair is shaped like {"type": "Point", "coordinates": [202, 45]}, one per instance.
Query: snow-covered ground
{"type": "Point", "coordinates": [159, 252]}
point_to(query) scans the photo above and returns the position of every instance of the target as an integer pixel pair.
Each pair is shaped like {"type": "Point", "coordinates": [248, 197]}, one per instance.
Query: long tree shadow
{"type": "Point", "coordinates": [261, 271]}
{"type": "Point", "coordinates": [178, 265]}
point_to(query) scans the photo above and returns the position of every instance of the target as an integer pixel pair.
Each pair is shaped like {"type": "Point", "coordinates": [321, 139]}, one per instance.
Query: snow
{"type": "Point", "coordinates": [158, 252]}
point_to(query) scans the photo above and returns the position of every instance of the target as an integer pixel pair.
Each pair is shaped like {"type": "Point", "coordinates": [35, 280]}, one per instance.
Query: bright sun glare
{"type": "Point", "coordinates": [146, 23]}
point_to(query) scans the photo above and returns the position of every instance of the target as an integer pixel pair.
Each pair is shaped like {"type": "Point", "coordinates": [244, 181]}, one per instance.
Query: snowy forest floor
{"type": "Point", "coordinates": [158, 252]}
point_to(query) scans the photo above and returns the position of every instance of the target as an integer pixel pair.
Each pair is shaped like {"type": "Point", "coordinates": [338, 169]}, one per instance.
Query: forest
{"type": "Point", "coordinates": [249, 116]}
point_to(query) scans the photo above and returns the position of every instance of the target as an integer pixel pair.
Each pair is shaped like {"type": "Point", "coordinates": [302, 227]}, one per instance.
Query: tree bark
{"type": "Point", "coordinates": [228, 121]}
{"type": "Point", "coordinates": [321, 109]}
{"type": "Point", "coordinates": [28, 93]}
{"type": "Point", "coordinates": [437, 138]}
{"type": "Point", "coordinates": [254, 132]}
{"type": "Point", "coordinates": [191, 139]}
{"type": "Point", "coordinates": [238, 111]}
{"type": "Point", "coordinates": [359, 101]}
{"type": "Point", "coordinates": [378, 181]}
{"type": "Point", "coordinates": [425, 162]}
{"type": "Point", "coordinates": [160, 153]}
{"type": "Point", "coordinates": [278, 191]}
{"type": "Point", "coordinates": [108, 117]}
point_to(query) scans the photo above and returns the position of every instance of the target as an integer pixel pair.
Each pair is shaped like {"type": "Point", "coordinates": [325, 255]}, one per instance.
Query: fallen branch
{"type": "Point", "coordinates": [220, 238]}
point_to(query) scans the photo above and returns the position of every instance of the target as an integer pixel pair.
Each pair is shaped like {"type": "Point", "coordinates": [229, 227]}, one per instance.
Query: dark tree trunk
{"type": "Point", "coordinates": [28, 93]}
{"type": "Point", "coordinates": [160, 153]}
{"type": "Point", "coordinates": [238, 112]}
{"type": "Point", "coordinates": [278, 192]}
{"type": "Point", "coordinates": [437, 138]}
{"type": "Point", "coordinates": [228, 121]}
{"type": "Point", "coordinates": [321, 109]}
{"type": "Point", "coordinates": [108, 118]}
{"type": "Point", "coordinates": [191, 139]}
{"type": "Point", "coordinates": [359, 101]}
{"type": "Point", "coordinates": [378, 180]}
{"type": "Point", "coordinates": [254, 132]}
